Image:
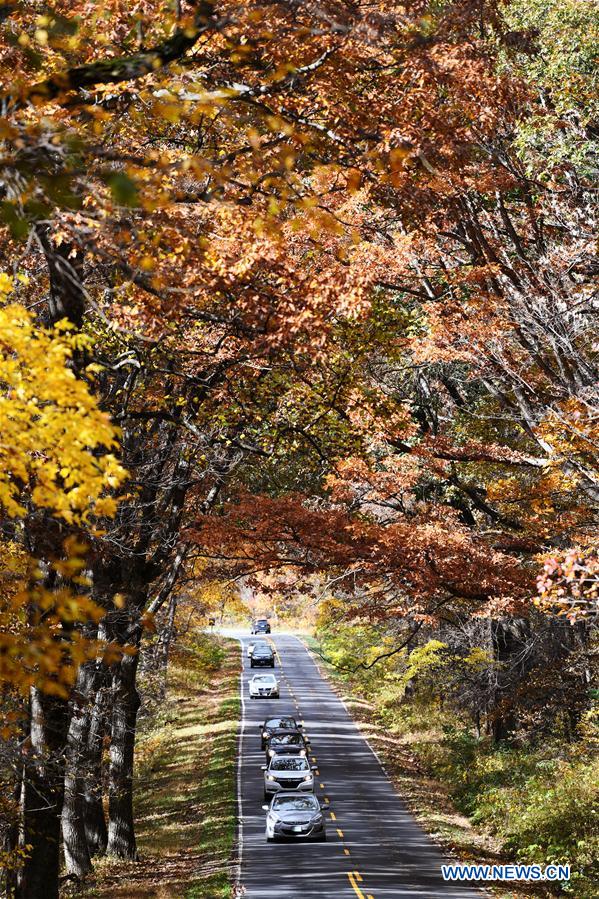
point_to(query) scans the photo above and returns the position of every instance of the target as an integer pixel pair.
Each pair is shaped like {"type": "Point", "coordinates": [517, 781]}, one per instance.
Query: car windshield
{"type": "Point", "coordinates": [264, 679]}
{"type": "Point", "coordinates": [296, 803]}
{"type": "Point", "coordinates": [286, 739]}
{"type": "Point", "coordinates": [289, 763]}
{"type": "Point", "coordinates": [280, 723]}
{"type": "Point", "coordinates": [262, 651]}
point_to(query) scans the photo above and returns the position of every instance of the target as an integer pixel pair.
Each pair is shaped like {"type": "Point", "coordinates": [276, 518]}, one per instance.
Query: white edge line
{"type": "Point", "coordinates": [239, 764]}
{"type": "Point", "coordinates": [311, 654]}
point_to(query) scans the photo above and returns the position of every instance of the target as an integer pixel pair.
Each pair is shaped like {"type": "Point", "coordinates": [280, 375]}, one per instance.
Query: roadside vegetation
{"type": "Point", "coordinates": [532, 798]}
{"type": "Point", "coordinates": [185, 780]}
{"type": "Point", "coordinates": [298, 304]}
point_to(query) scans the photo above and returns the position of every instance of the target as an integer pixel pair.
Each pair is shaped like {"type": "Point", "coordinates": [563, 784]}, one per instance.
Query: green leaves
{"type": "Point", "coordinates": [124, 189]}
{"type": "Point", "coordinates": [11, 216]}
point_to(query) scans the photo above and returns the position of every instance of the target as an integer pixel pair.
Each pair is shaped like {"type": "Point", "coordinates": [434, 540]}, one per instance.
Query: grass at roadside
{"type": "Point", "coordinates": [428, 799]}
{"type": "Point", "coordinates": [185, 784]}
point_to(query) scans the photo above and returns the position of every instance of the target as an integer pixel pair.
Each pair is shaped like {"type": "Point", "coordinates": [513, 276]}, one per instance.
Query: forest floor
{"type": "Point", "coordinates": [427, 798]}
{"type": "Point", "coordinates": [185, 789]}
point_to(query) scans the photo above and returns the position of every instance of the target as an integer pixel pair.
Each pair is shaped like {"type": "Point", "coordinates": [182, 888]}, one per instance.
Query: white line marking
{"type": "Point", "coordinates": [354, 722]}
{"type": "Point", "coordinates": [239, 762]}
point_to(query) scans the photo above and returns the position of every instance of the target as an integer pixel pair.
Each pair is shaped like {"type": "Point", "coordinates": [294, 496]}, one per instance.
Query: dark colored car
{"type": "Point", "coordinates": [261, 626]}
{"type": "Point", "coordinates": [277, 724]}
{"type": "Point", "coordinates": [288, 742]}
{"type": "Point", "coordinates": [262, 657]}
{"type": "Point", "coordinates": [295, 817]}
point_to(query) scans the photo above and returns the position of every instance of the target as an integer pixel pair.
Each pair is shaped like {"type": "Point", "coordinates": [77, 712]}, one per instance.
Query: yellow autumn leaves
{"type": "Point", "coordinates": [56, 445]}
{"type": "Point", "coordinates": [56, 457]}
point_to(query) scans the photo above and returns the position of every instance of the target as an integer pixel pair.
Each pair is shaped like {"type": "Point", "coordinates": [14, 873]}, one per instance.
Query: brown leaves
{"type": "Point", "coordinates": [427, 557]}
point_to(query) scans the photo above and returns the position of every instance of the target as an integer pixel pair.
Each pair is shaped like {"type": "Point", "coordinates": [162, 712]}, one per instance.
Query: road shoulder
{"type": "Point", "coordinates": [426, 798]}
{"type": "Point", "coordinates": [186, 787]}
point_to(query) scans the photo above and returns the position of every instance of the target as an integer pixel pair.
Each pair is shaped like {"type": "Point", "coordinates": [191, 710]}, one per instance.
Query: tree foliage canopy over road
{"type": "Point", "coordinates": [303, 294]}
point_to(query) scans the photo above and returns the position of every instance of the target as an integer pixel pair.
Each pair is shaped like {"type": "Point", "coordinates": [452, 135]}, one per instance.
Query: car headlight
{"type": "Point", "coordinates": [271, 752]}
{"type": "Point", "coordinates": [265, 734]}
{"type": "Point", "coordinates": [317, 819]}
{"type": "Point", "coordinates": [270, 777]}
{"type": "Point", "coordinates": [307, 777]}
{"type": "Point", "coordinates": [302, 752]}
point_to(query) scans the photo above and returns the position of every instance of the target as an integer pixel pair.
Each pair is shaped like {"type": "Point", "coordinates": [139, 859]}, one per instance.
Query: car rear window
{"type": "Point", "coordinates": [289, 763]}
{"type": "Point", "coordinates": [298, 803]}
{"type": "Point", "coordinates": [282, 723]}
{"type": "Point", "coordinates": [286, 739]}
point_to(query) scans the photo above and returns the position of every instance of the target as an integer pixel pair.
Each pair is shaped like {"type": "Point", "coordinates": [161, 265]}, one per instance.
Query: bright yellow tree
{"type": "Point", "coordinates": [57, 456]}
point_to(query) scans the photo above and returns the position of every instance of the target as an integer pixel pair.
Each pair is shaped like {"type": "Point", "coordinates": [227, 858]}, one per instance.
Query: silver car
{"type": "Point", "coordinates": [263, 686]}
{"type": "Point", "coordinates": [294, 816]}
{"type": "Point", "coordinates": [288, 772]}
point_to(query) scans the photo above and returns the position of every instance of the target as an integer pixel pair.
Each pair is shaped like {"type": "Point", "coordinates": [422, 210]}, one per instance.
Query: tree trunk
{"type": "Point", "coordinates": [76, 851]}
{"type": "Point", "coordinates": [509, 637]}
{"type": "Point", "coordinates": [96, 831]}
{"type": "Point", "coordinates": [43, 796]}
{"type": "Point", "coordinates": [163, 644]}
{"type": "Point", "coordinates": [121, 830]}
{"type": "Point", "coordinates": [10, 843]}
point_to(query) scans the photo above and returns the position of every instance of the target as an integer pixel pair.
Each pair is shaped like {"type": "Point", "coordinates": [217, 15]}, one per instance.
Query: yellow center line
{"type": "Point", "coordinates": [346, 851]}
{"type": "Point", "coordinates": [340, 834]}
{"type": "Point", "coordinates": [357, 889]}
{"type": "Point", "coordinates": [333, 816]}
{"type": "Point", "coordinates": [358, 876]}
{"type": "Point", "coordinates": [322, 786]}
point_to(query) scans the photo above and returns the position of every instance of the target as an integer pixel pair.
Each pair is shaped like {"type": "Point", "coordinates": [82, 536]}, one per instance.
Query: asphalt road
{"type": "Point", "coordinates": [375, 849]}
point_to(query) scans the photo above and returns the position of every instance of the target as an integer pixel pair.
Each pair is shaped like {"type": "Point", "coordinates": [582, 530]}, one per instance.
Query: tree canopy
{"type": "Point", "coordinates": [298, 294]}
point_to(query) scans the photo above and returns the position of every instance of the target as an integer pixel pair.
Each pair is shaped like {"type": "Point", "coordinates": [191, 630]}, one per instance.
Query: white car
{"type": "Point", "coordinates": [288, 772]}
{"type": "Point", "coordinates": [264, 685]}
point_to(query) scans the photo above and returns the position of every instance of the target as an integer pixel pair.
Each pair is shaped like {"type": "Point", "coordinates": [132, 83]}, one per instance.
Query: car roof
{"type": "Point", "coordinates": [270, 721]}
